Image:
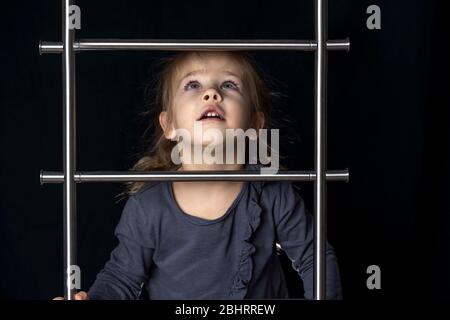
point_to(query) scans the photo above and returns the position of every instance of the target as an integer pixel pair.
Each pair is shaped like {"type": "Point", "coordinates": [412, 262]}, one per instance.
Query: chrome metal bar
{"type": "Point", "coordinates": [69, 150]}
{"type": "Point", "coordinates": [199, 45]}
{"type": "Point", "coordinates": [320, 155]}
{"type": "Point", "coordinates": [111, 176]}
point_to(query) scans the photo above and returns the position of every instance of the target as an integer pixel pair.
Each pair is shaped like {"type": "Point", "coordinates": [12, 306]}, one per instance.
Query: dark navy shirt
{"type": "Point", "coordinates": [180, 256]}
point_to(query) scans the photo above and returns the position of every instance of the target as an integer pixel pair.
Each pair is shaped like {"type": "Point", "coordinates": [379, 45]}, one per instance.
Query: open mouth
{"type": "Point", "coordinates": [214, 116]}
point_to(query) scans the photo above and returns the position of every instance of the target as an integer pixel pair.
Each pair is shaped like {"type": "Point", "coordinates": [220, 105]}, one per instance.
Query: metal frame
{"type": "Point", "coordinates": [69, 177]}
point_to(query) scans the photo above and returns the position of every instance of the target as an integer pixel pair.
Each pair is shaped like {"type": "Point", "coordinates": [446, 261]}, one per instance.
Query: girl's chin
{"type": "Point", "coordinates": [211, 143]}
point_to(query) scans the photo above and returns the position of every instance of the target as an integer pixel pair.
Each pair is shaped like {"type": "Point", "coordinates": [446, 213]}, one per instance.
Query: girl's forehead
{"type": "Point", "coordinates": [216, 63]}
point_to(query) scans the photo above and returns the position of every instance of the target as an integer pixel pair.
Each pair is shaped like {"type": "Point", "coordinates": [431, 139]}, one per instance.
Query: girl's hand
{"type": "Point", "coordinates": [78, 296]}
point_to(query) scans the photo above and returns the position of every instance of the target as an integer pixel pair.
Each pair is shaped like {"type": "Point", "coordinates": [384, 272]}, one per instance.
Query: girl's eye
{"type": "Point", "coordinates": [188, 85]}
{"type": "Point", "coordinates": [191, 83]}
{"type": "Point", "coordinates": [234, 84]}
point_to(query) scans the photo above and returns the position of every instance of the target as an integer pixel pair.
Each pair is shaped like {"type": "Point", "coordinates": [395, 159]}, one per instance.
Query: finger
{"type": "Point", "coordinates": [58, 298]}
{"type": "Point", "coordinates": [81, 296]}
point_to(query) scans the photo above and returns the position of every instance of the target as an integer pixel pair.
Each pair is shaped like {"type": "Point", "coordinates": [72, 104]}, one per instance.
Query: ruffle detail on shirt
{"type": "Point", "coordinates": [245, 268]}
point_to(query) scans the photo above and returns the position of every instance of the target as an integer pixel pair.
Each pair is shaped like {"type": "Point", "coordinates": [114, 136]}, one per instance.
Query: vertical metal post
{"type": "Point", "coordinates": [320, 156]}
{"type": "Point", "coordinates": [69, 155]}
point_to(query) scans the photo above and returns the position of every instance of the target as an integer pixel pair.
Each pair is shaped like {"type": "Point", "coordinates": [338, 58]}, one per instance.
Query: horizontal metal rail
{"type": "Point", "coordinates": [198, 45]}
{"type": "Point", "coordinates": [116, 176]}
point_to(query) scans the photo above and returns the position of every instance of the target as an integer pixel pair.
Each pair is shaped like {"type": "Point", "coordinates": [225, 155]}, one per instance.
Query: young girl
{"type": "Point", "coordinates": [209, 239]}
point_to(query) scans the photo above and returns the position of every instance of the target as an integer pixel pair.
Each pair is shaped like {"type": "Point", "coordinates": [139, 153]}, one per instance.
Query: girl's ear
{"type": "Point", "coordinates": [167, 128]}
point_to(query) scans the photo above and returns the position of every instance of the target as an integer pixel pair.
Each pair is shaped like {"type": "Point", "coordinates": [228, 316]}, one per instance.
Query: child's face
{"type": "Point", "coordinates": [214, 81]}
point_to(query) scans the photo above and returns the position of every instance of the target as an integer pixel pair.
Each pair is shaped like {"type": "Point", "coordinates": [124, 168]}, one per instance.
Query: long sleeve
{"type": "Point", "coordinates": [127, 269]}
{"type": "Point", "coordinates": [295, 234]}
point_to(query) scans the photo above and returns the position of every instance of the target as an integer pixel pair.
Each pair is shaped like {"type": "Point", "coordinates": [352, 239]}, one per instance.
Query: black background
{"type": "Point", "coordinates": [387, 122]}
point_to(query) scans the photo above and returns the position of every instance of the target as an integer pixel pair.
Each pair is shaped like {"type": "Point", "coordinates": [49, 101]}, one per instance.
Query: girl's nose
{"type": "Point", "coordinates": [212, 94]}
